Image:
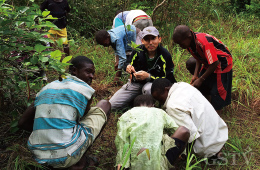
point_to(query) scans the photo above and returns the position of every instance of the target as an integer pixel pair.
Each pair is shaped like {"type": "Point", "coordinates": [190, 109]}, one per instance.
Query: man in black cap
{"type": "Point", "coordinates": [152, 61]}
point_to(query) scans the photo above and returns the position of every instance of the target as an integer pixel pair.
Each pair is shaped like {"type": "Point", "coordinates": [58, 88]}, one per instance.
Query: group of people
{"type": "Point", "coordinates": [64, 125]}
{"type": "Point", "coordinates": [119, 37]}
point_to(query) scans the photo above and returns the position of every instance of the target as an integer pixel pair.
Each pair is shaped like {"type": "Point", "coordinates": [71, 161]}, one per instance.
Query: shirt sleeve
{"type": "Point", "coordinates": [210, 53]}
{"type": "Point", "coordinates": [120, 51]}
{"type": "Point", "coordinates": [122, 138]}
{"type": "Point", "coordinates": [183, 118]}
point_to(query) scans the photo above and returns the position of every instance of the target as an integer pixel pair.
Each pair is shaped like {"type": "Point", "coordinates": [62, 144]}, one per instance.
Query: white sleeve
{"type": "Point", "coordinates": [183, 118]}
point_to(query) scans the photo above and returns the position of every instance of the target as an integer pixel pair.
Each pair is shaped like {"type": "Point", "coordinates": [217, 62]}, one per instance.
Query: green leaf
{"type": "Point", "coordinates": [56, 68]}
{"type": "Point", "coordinates": [27, 63]}
{"type": "Point", "coordinates": [66, 59]}
{"type": "Point", "coordinates": [56, 54]}
{"type": "Point", "coordinates": [234, 147]}
{"type": "Point", "coordinates": [128, 153]}
{"type": "Point", "coordinates": [39, 48]}
{"type": "Point", "coordinates": [44, 59]}
{"type": "Point", "coordinates": [60, 41]}
{"type": "Point", "coordinates": [13, 130]}
{"type": "Point", "coordinates": [45, 40]}
{"type": "Point", "coordinates": [45, 13]}
{"type": "Point", "coordinates": [24, 9]}
{"type": "Point", "coordinates": [125, 149]}
{"type": "Point", "coordinates": [14, 124]}
{"type": "Point", "coordinates": [128, 27]}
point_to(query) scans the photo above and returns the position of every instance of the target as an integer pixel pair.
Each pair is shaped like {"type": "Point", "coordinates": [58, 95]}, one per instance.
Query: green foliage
{"type": "Point", "coordinates": [24, 54]}
{"type": "Point", "coordinates": [126, 156]}
{"type": "Point", "coordinates": [17, 161]}
{"type": "Point", "coordinates": [128, 153]}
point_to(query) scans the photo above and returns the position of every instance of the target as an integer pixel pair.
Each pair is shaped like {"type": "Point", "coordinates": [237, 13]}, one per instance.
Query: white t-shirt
{"type": "Point", "coordinates": [132, 15]}
{"type": "Point", "coordinates": [189, 108]}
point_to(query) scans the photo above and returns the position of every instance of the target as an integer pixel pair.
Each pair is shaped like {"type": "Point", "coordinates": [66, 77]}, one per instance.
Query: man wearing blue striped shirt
{"type": "Point", "coordinates": [62, 122]}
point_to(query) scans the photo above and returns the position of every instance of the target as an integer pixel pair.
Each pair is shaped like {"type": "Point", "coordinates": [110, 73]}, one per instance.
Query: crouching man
{"type": "Point", "coordinates": [147, 124]}
{"type": "Point", "coordinates": [189, 108]}
{"type": "Point", "coordinates": [62, 122]}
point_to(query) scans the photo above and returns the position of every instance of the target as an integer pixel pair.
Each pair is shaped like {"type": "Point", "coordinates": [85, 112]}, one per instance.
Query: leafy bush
{"type": "Point", "coordinates": [24, 54]}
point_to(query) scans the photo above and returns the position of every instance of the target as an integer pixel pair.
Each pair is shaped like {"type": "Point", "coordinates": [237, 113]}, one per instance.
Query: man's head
{"type": "Point", "coordinates": [118, 11]}
{"type": "Point", "coordinates": [144, 100]}
{"type": "Point", "coordinates": [182, 36]}
{"type": "Point", "coordinates": [191, 65]}
{"type": "Point", "coordinates": [103, 38]}
{"type": "Point", "coordinates": [83, 68]}
{"type": "Point", "coordinates": [160, 89]}
{"type": "Point", "coordinates": [151, 38]}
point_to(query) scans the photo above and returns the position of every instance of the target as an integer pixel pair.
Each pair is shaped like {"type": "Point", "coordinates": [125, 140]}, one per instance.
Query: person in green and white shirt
{"type": "Point", "coordinates": [147, 124]}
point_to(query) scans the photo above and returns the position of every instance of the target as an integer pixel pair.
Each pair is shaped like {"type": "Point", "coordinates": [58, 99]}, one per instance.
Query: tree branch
{"type": "Point", "coordinates": [157, 8]}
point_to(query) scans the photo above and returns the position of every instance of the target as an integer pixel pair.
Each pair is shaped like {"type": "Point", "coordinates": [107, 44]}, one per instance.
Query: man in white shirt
{"type": "Point", "coordinates": [137, 17]}
{"type": "Point", "coordinates": [189, 108]}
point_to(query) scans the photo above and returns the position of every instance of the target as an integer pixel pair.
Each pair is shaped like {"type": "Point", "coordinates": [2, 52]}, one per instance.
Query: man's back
{"type": "Point", "coordinates": [147, 125]}
{"type": "Point", "coordinates": [121, 36]}
{"type": "Point", "coordinates": [189, 108]}
{"type": "Point", "coordinates": [209, 49]}
{"type": "Point", "coordinates": [56, 132]}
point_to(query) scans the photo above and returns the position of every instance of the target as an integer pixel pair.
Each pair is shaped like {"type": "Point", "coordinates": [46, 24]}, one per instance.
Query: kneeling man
{"type": "Point", "coordinates": [189, 108]}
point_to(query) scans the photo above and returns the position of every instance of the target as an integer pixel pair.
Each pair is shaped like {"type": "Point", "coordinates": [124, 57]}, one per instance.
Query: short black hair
{"type": "Point", "coordinates": [76, 62]}
{"type": "Point", "coordinates": [181, 32]}
{"type": "Point", "coordinates": [101, 35]}
{"type": "Point", "coordinates": [144, 99]}
{"type": "Point", "coordinates": [160, 84]}
{"type": "Point", "coordinates": [191, 65]}
{"type": "Point", "coordinates": [118, 11]}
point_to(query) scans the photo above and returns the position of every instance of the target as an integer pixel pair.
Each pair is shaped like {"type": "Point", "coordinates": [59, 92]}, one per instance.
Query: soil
{"type": "Point", "coordinates": [13, 145]}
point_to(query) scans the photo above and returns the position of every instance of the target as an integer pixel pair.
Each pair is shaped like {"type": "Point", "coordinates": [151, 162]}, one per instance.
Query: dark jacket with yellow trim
{"type": "Point", "coordinates": [163, 67]}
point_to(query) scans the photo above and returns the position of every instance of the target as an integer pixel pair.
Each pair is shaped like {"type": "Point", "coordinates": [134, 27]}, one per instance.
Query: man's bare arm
{"type": "Point", "coordinates": [27, 119]}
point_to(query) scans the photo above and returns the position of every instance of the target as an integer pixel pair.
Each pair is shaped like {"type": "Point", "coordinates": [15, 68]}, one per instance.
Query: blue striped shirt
{"type": "Point", "coordinates": [56, 131]}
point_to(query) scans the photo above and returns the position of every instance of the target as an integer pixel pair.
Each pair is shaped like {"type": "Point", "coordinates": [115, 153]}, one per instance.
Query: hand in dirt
{"type": "Point", "coordinates": [141, 75]}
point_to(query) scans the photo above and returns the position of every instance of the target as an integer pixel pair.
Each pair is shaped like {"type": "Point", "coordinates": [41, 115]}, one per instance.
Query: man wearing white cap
{"type": "Point", "coordinates": [151, 62]}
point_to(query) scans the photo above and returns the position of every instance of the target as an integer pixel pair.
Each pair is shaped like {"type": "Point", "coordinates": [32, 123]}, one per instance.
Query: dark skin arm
{"type": "Point", "coordinates": [88, 106]}
{"type": "Point", "coordinates": [27, 119]}
{"type": "Point", "coordinates": [212, 67]}
{"type": "Point", "coordinates": [196, 72]}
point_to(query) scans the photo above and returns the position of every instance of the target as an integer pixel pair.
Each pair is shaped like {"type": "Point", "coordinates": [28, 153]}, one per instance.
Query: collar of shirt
{"type": "Point", "coordinates": [174, 86]}
{"type": "Point", "coordinates": [113, 38]}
